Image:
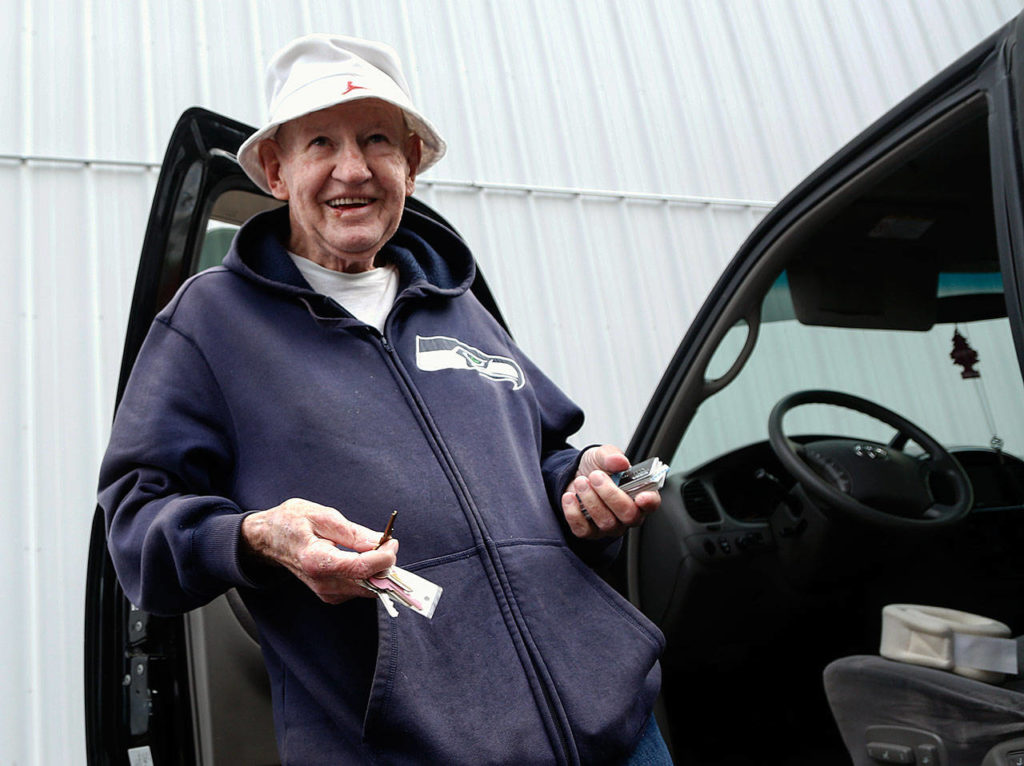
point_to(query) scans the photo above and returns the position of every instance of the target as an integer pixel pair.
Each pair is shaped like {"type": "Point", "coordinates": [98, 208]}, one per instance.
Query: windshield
{"type": "Point", "coordinates": [894, 294]}
{"type": "Point", "coordinates": [909, 371]}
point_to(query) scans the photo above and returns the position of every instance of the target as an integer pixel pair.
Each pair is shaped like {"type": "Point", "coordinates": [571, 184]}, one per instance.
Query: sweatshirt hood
{"type": "Point", "coordinates": [415, 249]}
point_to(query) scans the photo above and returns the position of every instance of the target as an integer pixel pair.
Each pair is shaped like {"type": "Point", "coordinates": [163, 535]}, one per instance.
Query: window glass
{"type": "Point", "coordinates": [910, 372]}
{"type": "Point", "coordinates": [230, 210]}
{"type": "Point", "coordinates": [897, 298]}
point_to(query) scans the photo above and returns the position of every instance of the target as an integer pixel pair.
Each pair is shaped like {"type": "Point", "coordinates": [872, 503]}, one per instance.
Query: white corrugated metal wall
{"type": "Point", "coordinates": [606, 158]}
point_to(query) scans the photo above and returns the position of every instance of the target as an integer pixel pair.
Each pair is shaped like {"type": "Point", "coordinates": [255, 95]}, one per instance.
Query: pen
{"type": "Point", "coordinates": [387, 530]}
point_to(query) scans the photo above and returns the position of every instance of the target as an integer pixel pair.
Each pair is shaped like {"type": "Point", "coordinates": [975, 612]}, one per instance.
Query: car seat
{"type": "Point", "coordinates": [940, 696]}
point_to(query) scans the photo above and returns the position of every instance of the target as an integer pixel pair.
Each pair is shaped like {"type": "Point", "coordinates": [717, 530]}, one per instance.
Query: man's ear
{"type": "Point", "coordinates": [269, 153]}
{"type": "Point", "coordinates": [413, 155]}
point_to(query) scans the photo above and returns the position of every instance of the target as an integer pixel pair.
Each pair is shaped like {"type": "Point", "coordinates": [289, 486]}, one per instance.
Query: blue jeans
{"type": "Point", "coordinates": [651, 750]}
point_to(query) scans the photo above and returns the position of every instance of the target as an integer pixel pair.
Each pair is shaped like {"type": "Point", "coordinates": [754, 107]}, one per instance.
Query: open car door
{"type": "Point", "coordinates": [885, 294]}
{"type": "Point", "coordinates": [189, 689]}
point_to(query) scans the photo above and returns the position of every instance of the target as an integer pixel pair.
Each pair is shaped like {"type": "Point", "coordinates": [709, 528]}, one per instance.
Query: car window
{"type": "Point", "coordinates": [877, 301]}
{"type": "Point", "coordinates": [910, 372]}
{"type": "Point", "coordinates": [229, 211]}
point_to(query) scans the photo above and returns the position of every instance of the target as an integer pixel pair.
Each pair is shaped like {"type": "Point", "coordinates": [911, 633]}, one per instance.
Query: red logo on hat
{"type": "Point", "coordinates": [351, 88]}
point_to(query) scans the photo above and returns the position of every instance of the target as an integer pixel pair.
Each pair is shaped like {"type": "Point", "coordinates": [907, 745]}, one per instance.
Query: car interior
{"type": "Point", "coordinates": [846, 438]}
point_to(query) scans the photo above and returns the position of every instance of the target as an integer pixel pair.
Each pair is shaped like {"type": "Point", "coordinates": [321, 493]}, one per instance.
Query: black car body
{"type": "Point", "coordinates": [892, 273]}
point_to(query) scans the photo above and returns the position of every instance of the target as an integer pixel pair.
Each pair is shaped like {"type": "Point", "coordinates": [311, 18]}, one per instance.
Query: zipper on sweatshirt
{"type": "Point", "coordinates": [564, 745]}
{"type": "Point", "coordinates": [494, 568]}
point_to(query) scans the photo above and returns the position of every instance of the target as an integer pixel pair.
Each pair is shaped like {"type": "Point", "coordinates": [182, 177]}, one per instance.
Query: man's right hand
{"type": "Point", "coordinates": [303, 537]}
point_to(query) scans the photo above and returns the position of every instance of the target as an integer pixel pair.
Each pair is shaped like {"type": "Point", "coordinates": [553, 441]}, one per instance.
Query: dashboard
{"type": "Point", "coordinates": [736, 536]}
{"type": "Point", "coordinates": [747, 485]}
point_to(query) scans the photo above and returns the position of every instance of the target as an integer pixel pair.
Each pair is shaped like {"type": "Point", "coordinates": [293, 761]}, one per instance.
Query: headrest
{"type": "Point", "coordinates": [966, 644]}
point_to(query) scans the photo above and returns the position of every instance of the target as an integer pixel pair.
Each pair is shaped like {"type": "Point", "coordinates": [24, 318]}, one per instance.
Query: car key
{"type": "Point", "coordinates": [647, 475]}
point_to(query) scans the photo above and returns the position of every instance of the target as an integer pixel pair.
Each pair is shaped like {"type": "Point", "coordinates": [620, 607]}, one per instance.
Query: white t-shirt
{"type": "Point", "coordinates": [368, 295]}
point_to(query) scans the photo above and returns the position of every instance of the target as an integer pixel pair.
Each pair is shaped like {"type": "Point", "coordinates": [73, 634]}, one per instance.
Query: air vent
{"type": "Point", "coordinates": [1016, 471]}
{"type": "Point", "coordinates": [698, 502]}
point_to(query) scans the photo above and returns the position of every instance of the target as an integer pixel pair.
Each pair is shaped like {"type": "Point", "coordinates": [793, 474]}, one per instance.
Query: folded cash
{"type": "Point", "coordinates": [408, 589]}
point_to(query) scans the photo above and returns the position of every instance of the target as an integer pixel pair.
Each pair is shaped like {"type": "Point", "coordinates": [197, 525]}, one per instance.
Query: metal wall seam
{"type": "Point", "coordinates": [97, 426]}
{"type": "Point", "coordinates": [202, 52]}
{"type": "Point", "coordinates": [511, 94]}
{"type": "Point", "coordinates": [92, 218]}
{"type": "Point", "coordinates": [148, 79]}
{"type": "Point", "coordinates": [683, 199]}
{"type": "Point", "coordinates": [258, 55]}
{"type": "Point", "coordinates": [31, 706]}
{"type": "Point", "coordinates": [458, 77]}
{"type": "Point", "coordinates": [29, 573]}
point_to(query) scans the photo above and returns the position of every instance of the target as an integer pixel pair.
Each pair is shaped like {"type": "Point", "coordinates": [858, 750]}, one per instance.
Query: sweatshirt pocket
{"type": "Point", "coordinates": [455, 688]}
{"type": "Point", "coordinates": [600, 651]}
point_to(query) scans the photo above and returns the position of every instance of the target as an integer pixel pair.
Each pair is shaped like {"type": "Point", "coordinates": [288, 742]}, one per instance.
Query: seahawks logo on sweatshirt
{"type": "Point", "coordinates": [441, 353]}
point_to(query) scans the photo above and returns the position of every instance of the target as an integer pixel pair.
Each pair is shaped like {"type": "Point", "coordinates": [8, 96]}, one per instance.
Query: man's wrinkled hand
{"type": "Point", "coordinates": [303, 537]}
{"type": "Point", "coordinates": [592, 503]}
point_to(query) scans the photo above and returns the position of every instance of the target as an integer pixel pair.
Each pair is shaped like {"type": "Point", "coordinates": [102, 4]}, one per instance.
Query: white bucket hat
{"type": "Point", "coordinates": [319, 71]}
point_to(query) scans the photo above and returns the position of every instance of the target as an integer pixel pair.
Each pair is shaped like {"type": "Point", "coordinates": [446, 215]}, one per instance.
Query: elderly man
{"type": "Point", "coordinates": [334, 368]}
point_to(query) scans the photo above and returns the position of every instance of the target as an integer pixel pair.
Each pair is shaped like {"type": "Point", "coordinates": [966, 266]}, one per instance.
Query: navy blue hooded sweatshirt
{"type": "Point", "coordinates": [251, 389]}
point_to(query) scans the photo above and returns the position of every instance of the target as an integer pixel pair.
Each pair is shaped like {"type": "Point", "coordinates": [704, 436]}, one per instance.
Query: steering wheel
{"type": "Point", "coordinates": [869, 481]}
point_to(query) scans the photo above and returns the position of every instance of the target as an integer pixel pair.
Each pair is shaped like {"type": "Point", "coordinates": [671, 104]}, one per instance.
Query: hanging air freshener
{"type": "Point", "coordinates": [963, 355]}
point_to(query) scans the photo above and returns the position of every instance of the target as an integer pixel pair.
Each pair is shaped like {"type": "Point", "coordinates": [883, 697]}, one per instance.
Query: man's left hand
{"type": "Point", "coordinates": [594, 506]}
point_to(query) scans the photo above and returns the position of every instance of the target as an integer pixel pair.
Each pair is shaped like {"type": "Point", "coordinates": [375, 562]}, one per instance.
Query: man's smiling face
{"type": "Point", "coordinates": [345, 172]}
